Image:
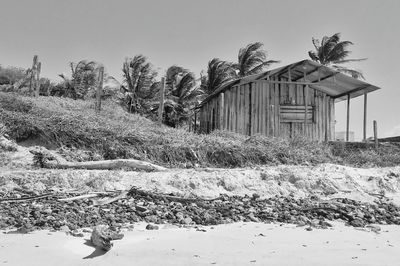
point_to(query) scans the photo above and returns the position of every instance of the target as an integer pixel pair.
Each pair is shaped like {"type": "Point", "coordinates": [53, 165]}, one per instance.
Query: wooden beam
{"type": "Point", "coordinates": [365, 118]}
{"type": "Point", "coordinates": [351, 92]}
{"type": "Point", "coordinates": [307, 73]}
{"type": "Point", "coordinates": [161, 107]}
{"type": "Point", "coordinates": [348, 117]}
{"type": "Point", "coordinates": [324, 78]}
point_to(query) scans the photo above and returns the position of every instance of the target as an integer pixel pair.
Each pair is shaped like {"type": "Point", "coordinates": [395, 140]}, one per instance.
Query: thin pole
{"type": "Point", "coordinates": [99, 89]}
{"type": "Point", "coordinates": [161, 107]}
{"type": "Point", "coordinates": [37, 91]}
{"type": "Point", "coordinates": [365, 118]}
{"type": "Point", "coordinates": [348, 117]}
{"type": "Point", "coordinates": [376, 134]}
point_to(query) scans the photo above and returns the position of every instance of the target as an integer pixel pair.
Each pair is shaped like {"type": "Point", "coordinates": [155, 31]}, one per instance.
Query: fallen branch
{"type": "Point", "coordinates": [26, 198]}
{"type": "Point", "coordinates": [311, 209]}
{"type": "Point", "coordinates": [136, 191]}
{"type": "Point", "coordinates": [79, 197]}
{"type": "Point", "coordinates": [105, 165]}
{"type": "Point", "coordinates": [110, 200]}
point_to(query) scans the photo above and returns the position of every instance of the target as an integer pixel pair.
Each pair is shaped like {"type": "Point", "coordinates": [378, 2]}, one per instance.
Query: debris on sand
{"type": "Point", "coordinates": [102, 236]}
{"type": "Point", "coordinates": [155, 208]}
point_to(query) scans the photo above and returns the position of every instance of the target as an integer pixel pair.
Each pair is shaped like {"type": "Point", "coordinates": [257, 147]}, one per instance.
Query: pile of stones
{"type": "Point", "coordinates": [50, 213]}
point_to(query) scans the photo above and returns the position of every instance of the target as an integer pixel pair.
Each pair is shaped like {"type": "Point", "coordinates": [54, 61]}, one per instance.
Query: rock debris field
{"type": "Point", "coordinates": [70, 212]}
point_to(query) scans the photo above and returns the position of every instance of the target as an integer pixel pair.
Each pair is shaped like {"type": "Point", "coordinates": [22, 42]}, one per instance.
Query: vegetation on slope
{"type": "Point", "coordinates": [73, 126]}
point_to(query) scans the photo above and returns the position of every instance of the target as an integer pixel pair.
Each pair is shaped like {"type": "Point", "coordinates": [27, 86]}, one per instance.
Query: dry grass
{"type": "Point", "coordinates": [85, 135]}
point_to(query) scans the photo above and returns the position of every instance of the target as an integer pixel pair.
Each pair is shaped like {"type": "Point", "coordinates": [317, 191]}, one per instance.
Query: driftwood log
{"type": "Point", "coordinates": [105, 165]}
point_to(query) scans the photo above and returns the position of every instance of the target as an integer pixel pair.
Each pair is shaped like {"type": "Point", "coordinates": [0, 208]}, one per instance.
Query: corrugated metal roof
{"type": "Point", "coordinates": [323, 78]}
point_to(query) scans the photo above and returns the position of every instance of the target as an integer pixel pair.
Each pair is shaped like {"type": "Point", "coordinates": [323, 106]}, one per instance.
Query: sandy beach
{"type": "Point", "coordinates": [233, 244]}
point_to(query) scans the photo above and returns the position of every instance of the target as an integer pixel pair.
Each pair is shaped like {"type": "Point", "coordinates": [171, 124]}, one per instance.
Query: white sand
{"type": "Point", "coordinates": [233, 244]}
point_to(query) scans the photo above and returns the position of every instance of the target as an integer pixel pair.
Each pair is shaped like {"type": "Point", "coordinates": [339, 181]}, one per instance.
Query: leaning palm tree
{"type": "Point", "coordinates": [182, 94]}
{"type": "Point", "coordinates": [332, 52]}
{"type": "Point", "coordinates": [252, 59]}
{"type": "Point", "coordinates": [218, 74]}
{"type": "Point", "coordinates": [139, 83]}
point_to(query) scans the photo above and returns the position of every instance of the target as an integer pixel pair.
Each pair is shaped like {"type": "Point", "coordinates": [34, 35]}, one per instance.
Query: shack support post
{"type": "Point", "coordinates": [376, 134]}
{"type": "Point", "coordinates": [365, 118]}
{"type": "Point", "coordinates": [348, 118]}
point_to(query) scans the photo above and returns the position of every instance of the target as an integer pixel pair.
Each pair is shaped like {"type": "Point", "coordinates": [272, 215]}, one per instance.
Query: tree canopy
{"type": "Point", "coordinates": [333, 52]}
{"type": "Point", "coordinates": [252, 59]}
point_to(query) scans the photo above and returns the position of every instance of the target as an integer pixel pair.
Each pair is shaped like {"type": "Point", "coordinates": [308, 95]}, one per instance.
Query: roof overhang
{"type": "Point", "coordinates": [335, 84]}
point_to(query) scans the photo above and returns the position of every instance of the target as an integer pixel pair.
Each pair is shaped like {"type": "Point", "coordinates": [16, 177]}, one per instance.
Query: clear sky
{"type": "Point", "coordinates": [190, 33]}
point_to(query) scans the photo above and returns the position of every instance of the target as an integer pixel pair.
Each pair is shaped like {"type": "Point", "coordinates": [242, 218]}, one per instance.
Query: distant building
{"type": "Point", "coordinates": [297, 99]}
{"type": "Point", "coordinates": [341, 136]}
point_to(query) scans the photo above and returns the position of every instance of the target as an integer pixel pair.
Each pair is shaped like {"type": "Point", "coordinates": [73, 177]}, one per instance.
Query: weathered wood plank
{"type": "Point", "coordinates": [258, 107]}
{"type": "Point", "coordinates": [221, 111]}
{"type": "Point", "coordinates": [262, 109]}
{"type": "Point", "coordinates": [267, 109]}
{"type": "Point", "coordinates": [246, 108]}
{"type": "Point", "coordinates": [253, 109]}
{"type": "Point", "coordinates": [277, 107]}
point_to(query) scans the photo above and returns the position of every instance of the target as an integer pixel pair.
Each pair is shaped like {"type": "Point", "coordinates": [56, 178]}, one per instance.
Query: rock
{"type": "Point", "coordinates": [64, 228]}
{"type": "Point", "coordinates": [76, 233]}
{"type": "Point", "coordinates": [186, 221]}
{"type": "Point", "coordinates": [152, 227]}
{"type": "Point", "coordinates": [255, 196]}
{"type": "Point", "coordinates": [357, 222]}
{"type": "Point", "coordinates": [374, 228]}
{"type": "Point", "coordinates": [151, 219]}
{"type": "Point", "coordinates": [309, 229]}
{"type": "Point", "coordinates": [102, 236]}
{"type": "Point", "coordinates": [325, 224]}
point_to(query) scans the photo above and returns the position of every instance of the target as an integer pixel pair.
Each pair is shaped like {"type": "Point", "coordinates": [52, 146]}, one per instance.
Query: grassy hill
{"type": "Point", "coordinates": [79, 133]}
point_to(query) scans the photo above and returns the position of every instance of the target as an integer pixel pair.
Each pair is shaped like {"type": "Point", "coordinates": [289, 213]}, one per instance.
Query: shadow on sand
{"type": "Point", "coordinates": [96, 253]}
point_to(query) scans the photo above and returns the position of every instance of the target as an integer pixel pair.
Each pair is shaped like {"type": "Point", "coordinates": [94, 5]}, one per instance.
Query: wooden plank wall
{"type": "Point", "coordinates": [254, 108]}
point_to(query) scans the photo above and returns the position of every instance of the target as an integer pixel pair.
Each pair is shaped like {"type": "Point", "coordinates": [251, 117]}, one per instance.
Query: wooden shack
{"type": "Point", "coordinates": [297, 99]}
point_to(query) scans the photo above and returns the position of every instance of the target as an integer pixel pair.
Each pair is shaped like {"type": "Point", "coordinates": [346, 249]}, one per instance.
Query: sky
{"type": "Point", "coordinates": [190, 33]}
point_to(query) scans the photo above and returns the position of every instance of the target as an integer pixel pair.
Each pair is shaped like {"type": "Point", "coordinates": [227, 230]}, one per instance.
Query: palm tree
{"type": "Point", "coordinates": [182, 94]}
{"type": "Point", "coordinates": [218, 74]}
{"type": "Point", "coordinates": [252, 59]}
{"type": "Point", "coordinates": [332, 52]}
{"type": "Point", "coordinates": [84, 76]}
{"type": "Point", "coordinates": [139, 84]}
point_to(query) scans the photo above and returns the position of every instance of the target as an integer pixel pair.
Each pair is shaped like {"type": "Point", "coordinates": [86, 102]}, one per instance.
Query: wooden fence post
{"type": "Point", "coordinates": [33, 74]}
{"type": "Point", "coordinates": [37, 89]}
{"type": "Point", "coordinates": [376, 134]}
{"type": "Point", "coordinates": [99, 89]}
{"type": "Point", "coordinates": [161, 107]}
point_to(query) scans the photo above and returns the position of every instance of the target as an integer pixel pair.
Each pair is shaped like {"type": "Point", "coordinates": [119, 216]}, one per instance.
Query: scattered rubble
{"type": "Point", "coordinates": [138, 205]}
